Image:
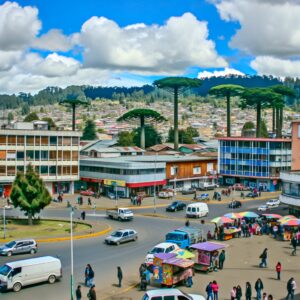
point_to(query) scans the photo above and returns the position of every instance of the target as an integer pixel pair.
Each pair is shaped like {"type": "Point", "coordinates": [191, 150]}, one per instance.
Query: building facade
{"type": "Point", "coordinates": [254, 162]}
{"type": "Point", "coordinates": [53, 154]}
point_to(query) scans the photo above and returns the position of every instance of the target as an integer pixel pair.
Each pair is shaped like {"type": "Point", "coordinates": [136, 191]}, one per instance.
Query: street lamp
{"type": "Point", "coordinates": [72, 261]}
{"type": "Point", "coordinates": [154, 199]}
{"type": "Point", "coordinates": [4, 221]}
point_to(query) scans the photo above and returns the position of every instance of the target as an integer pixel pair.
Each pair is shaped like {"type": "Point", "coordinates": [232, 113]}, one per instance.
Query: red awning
{"type": "Point", "coordinates": [91, 179]}
{"type": "Point", "coordinates": [143, 184]}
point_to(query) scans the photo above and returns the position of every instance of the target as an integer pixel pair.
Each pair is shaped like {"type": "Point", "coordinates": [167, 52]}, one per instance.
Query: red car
{"type": "Point", "coordinates": [87, 193]}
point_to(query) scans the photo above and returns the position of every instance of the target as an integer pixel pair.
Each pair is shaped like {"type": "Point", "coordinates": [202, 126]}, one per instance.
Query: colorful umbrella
{"type": "Point", "coordinates": [249, 214]}
{"type": "Point", "coordinates": [233, 216]}
{"type": "Point", "coordinates": [288, 217]}
{"type": "Point", "coordinates": [181, 253]}
{"type": "Point", "coordinates": [291, 222]}
{"type": "Point", "coordinates": [272, 216]}
{"type": "Point", "coordinates": [222, 220]}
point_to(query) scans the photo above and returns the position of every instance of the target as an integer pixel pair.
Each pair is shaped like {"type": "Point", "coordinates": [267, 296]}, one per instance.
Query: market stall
{"type": "Point", "coordinates": [207, 254]}
{"type": "Point", "coordinates": [231, 232]}
{"type": "Point", "coordinates": [169, 270]}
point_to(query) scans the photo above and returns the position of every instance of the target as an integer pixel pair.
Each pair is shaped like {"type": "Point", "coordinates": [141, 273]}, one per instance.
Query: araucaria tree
{"type": "Point", "coordinates": [142, 114]}
{"type": "Point", "coordinates": [227, 90]}
{"type": "Point", "coordinates": [29, 193]}
{"type": "Point", "coordinates": [177, 85]}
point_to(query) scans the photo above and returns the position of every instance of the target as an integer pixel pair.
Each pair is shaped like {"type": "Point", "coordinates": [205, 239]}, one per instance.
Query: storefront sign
{"type": "Point", "coordinates": [114, 182]}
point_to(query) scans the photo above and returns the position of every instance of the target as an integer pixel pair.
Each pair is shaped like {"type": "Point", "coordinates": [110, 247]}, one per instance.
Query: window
{"type": "Point", "coordinates": [66, 170]}
{"type": "Point", "coordinates": [37, 155]}
{"type": "Point", "coordinates": [75, 141]}
{"type": "Point", "coordinates": [16, 271]}
{"type": "Point", "coordinates": [75, 155]}
{"type": "Point", "coordinates": [157, 298]}
{"type": "Point", "coordinates": [44, 170]}
{"type": "Point", "coordinates": [20, 169]}
{"type": "Point", "coordinates": [67, 141]}
{"type": "Point", "coordinates": [2, 170]}
{"type": "Point", "coordinates": [169, 297]}
{"type": "Point", "coordinates": [2, 140]}
{"type": "Point", "coordinates": [74, 170]}
{"type": "Point", "coordinates": [44, 140]}
{"type": "Point", "coordinates": [67, 155]}
{"type": "Point", "coordinates": [44, 155]}
{"type": "Point", "coordinates": [59, 141]}
{"type": "Point", "coordinates": [20, 140]}
{"type": "Point", "coordinates": [11, 170]}
{"type": "Point", "coordinates": [182, 298]}
{"type": "Point", "coordinates": [37, 141]}
{"type": "Point", "coordinates": [52, 170]}
{"type": "Point", "coordinates": [30, 140]}
{"type": "Point", "coordinates": [12, 139]}
{"type": "Point", "coordinates": [210, 167]}
{"type": "Point", "coordinates": [53, 140]}
{"type": "Point", "coordinates": [174, 170]}
{"type": "Point", "coordinates": [29, 155]}
{"type": "Point", "coordinates": [52, 155]}
{"type": "Point", "coordinates": [197, 170]}
{"type": "Point", "coordinates": [125, 233]}
{"type": "Point", "coordinates": [2, 155]}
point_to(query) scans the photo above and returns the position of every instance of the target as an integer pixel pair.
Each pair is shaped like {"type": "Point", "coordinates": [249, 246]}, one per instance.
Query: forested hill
{"type": "Point", "coordinates": [52, 95]}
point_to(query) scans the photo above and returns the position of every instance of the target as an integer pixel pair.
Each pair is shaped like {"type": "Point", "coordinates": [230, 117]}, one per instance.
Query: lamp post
{"type": "Point", "coordinates": [4, 221]}
{"type": "Point", "coordinates": [72, 262]}
{"type": "Point", "coordinates": [154, 199]}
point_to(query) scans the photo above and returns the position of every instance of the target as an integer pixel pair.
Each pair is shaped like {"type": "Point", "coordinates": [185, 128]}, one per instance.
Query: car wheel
{"type": "Point", "coordinates": [51, 279]}
{"type": "Point", "coordinates": [135, 238]}
{"type": "Point", "coordinates": [17, 287]}
{"type": "Point", "coordinates": [9, 253]}
{"type": "Point", "coordinates": [118, 243]}
{"type": "Point", "coordinates": [32, 251]}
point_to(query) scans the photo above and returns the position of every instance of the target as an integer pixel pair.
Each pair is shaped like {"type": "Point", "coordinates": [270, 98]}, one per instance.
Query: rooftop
{"type": "Point", "coordinates": [241, 138]}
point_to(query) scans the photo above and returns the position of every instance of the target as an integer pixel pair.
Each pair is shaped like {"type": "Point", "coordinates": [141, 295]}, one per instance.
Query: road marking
{"type": "Point", "coordinates": [96, 215]}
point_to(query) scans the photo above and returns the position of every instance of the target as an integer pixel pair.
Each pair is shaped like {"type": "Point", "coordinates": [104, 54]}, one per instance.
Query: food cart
{"type": "Point", "coordinates": [208, 252]}
{"type": "Point", "coordinates": [169, 270]}
{"type": "Point", "coordinates": [231, 232]}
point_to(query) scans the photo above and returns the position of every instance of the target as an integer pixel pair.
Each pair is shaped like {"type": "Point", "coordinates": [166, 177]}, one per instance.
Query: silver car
{"type": "Point", "coordinates": [19, 247]}
{"type": "Point", "coordinates": [121, 236]}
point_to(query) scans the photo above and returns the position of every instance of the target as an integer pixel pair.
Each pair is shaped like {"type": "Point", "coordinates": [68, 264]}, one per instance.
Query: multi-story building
{"type": "Point", "coordinates": [53, 154]}
{"type": "Point", "coordinates": [254, 162]}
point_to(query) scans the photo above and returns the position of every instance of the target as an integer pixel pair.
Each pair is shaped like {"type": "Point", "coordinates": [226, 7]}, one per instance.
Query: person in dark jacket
{"type": "Point", "coordinates": [239, 293]}
{"type": "Point", "coordinates": [78, 293]}
{"type": "Point", "coordinates": [89, 275]}
{"type": "Point", "coordinates": [120, 276]}
{"type": "Point", "coordinates": [263, 258]}
{"type": "Point", "coordinates": [248, 293]}
{"type": "Point", "coordinates": [92, 293]}
{"type": "Point", "coordinates": [221, 259]}
{"type": "Point", "coordinates": [294, 245]}
{"type": "Point", "coordinates": [209, 292]}
{"type": "Point", "coordinates": [258, 288]}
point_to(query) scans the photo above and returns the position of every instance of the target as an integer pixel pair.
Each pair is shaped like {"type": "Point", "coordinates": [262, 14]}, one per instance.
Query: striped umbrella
{"type": "Point", "coordinates": [222, 220]}
{"type": "Point", "coordinates": [249, 214]}
{"type": "Point", "coordinates": [233, 216]}
{"type": "Point", "coordinates": [272, 216]}
{"type": "Point", "coordinates": [291, 222]}
{"type": "Point", "coordinates": [288, 217]}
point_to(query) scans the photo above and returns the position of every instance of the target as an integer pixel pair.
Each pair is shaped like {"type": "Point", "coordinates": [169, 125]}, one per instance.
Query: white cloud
{"type": "Point", "coordinates": [268, 27]}
{"type": "Point", "coordinates": [8, 59]}
{"type": "Point", "coordinates": [18, 26]}
{"type": "Point", "coordinates": [221, 73]}
{"type": "Point", "coordinates": [53, 40]}
{"type": "Point", "coordinates": [267, 65]}
{"type": "Point", "coordinates": [180, 43]}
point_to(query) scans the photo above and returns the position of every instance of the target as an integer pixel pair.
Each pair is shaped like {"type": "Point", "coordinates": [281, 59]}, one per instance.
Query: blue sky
{"type": "Point", "coordinates": [132, 42]}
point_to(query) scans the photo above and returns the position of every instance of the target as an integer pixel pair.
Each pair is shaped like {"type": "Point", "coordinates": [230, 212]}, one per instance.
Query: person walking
{"type": "Point", "coordinates": [248, 292]}
{"type": "Point", "coordinates": [291, 287]}
{"type": "Point", "coordinates": [221, 259]}
{"type": "Point", "coordinates": [189, 282]}
{"type": "Point", "coordinates": [258, 288]}
{"type": "Point", "coordinates": [294, 244]}
{"type": "Point", "coordinates": [89, 275]}
{"type": "Point", "coordinates": [233, 293]}
{"type": "Point", "coordinates": [263, 258]}
{"type": "Point", "coordinates": [92, 293]}
{"type": "Point", "coordinates": [89, 201]}
{"type": "Point", "coordinates": [78, 293]}
{"type": "Point", "coordinates": [209, 292]}
{"type": "Point", "coordinates": [215, 289]}
{"type": "Point", "coordinates": [278, 270]}
{"type": "Point", "coordinates": [83, 215]}
{"type": "Point", "coordinates": [239, 293]}
{"type": "Point", "coordinates": [120, 276]}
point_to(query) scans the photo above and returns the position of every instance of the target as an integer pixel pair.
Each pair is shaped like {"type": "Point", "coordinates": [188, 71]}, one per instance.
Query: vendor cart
{"type": "Point", "coordinates": [208, 252]}
{"type": "Point", "coordinates": [169, 270]}
{"type": "Point", "coordinates": [231, 232]}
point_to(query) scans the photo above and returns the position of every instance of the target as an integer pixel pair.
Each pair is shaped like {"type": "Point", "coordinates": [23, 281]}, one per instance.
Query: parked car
{"type": "Point", "coordinates": [121, 236]}
{"type": "Point", "coordinates": [240, 187]}
{"type": "Point", "coordinates": [160, 248]}
{"type": "Point", "coordinates": [188, 191]}
{"type": "Point", "coordinates": [251, 195]}
{"type": "Point", "coordinates": [202, 197]}
{"type": "Point", "coordinates": [273, 202]}
{"type": "Point", "coordinates": [204, 186]}
{"type": "Point", "coordinates": [263, 208]}
{"type": "Point", "coordinates": [166, 294]}
{"type": "Point", "coordinates": [175, 206]}
{"type": "Point", "coordinates": [166, 194]}
{"type": "Point", "coordinates": [19, 247]}
{"type": "Point", "coordinates": [235, 204]}
{"type": "Point", "coordinates": [87, 193]}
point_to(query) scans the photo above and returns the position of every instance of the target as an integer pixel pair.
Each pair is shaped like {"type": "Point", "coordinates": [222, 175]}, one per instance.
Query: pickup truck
{"type": "Point", "coordinates": [184, 237]}
{"type": "Point", "coordinates": [121, 214]}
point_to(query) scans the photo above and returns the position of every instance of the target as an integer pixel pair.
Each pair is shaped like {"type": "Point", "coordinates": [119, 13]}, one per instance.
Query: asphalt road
{"type": "Point", "coordinates": [103, 258]}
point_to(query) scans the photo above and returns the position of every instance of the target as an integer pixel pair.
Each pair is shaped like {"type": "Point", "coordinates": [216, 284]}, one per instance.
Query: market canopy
{"type": "Point", "coordinates": [249, 214]}
{"type": "Point", "coordinates": [233, 215]}
{"type": "Point", "coordinates": [165, 256]}
{"type": "Point", "coordinates": [181, 253]}
{"type": "Point", "coordinates": [179, 262]}
{"type": "Point", "coordinates": [208, 246]}
{"type": "Point", "coordinates": [272, 216]}
{"type": "Point", "coordinates": [222, 220]}
{"type": "Point", "coordinates": [291, 222]}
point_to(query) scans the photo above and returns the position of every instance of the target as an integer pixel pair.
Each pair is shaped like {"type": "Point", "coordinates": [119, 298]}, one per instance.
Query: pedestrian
{"type": "Point", "coordinates": [142, 270]}
{"type": "Point", "coordinates": [239, 293]}
{"type": "Point", "coordinates": [83, 215]}
{"type": "Point", "coordinates": [189, 282]}
{"type": "Point", "coordinates": [258, 288]}
{"type": "Point", "coordinates": [209, 292]}
{"type": "Point", "coordinates": [78, 293]}
{"type": "Point", "coordinates": [187, 223]}
{"type": "Point", "coordinates": [263, 258]}
{"type": "Point", "coordinates": [265, 297]}
{"type": "Point", "coordinates": [233, 293]}
{"type": "Point", "coordinates": [92, 293]}
{"type": "Point", "coordinates": [215, 288]}
{"type": "Point", "coordinates": [248, 292]}
{"type": "Point", "coordinates": [143, 284]}
{"type": "Point", "coordinates": [294, 244]}
{"type": "Point", "coordinates": [221, 259]}
{"type": "Point", "coordinates": [89, 275]}
{"type": "Point", "coordinates": [278, 270]}
{"type": "Point", "coordinates": [270, 297]}
{"type": "Point", "coordinates": [275, 230]}
{"type": "Point", "coordinates": [291, 287]}
{"type": "Point", "coordinates": [89, 201]}
{"type": "Point", "coordinates": [120, 276]}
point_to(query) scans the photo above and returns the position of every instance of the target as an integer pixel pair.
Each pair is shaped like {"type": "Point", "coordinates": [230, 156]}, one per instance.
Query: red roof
{"type": "Point", "coordinates": [241, 138]}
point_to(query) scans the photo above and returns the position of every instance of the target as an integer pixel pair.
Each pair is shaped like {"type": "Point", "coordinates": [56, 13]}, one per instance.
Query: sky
{"type": "Point", "coordinates": [133, 42]}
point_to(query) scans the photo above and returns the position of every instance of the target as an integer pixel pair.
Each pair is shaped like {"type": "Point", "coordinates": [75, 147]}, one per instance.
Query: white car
{"type": "Point", "coordinates": [166, 294]}
{"type": "Point", "coordinates": [160, 248]}
{"type": "Point", "coordinates": [263, 208]}
{"type": "Point", "coordinates": [273, 203]}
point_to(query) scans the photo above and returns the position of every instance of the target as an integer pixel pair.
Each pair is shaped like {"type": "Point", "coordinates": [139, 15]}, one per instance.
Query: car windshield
{"type": "Point", "coordinates": [4, 270]}
{"type": "Point", "coordinates": [117, 234]}
{"type": "Point", "coordinates": [10, 244]}
{"type": "Point", "coordinates": [174, 237]}
{"type": "Point", "coordinates": [174, 203]}
{"type": "Point", "coordinates": [157, 250]}
{"type": "Point", "coordinates": [127, 211]}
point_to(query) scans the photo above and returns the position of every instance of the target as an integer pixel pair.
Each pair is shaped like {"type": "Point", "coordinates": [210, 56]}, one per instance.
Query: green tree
{"type": "Point", "coordinates": [10, 117]}
{"type": "Point", "coordinates": [125, 138]}
{"type": "Point", "coordinates": [142, 114]}
{"type": "Point", "coordinates": [73, 97]}
{"type": "Point", "coordinates": [247, 126]}
{"type": "Point", "coordinates": [51, 123]}
{"type": "Point", "coordinates": [264, 130]}
{"type": "Point", "coordinates": [29, 193]}
{"type": "Point", "coordinates": [192, 131]}
{"type": "Point", "coordinates": [25, 109]}
{"type": "Point", "coordinates": [177, 85]}
{"type": "Point", "coordinates": [31, 117]}
{"type": "Point", "coordinates": [89, 131]}
{"type": "Point", "coordinates": [153, 137]}
{"type": "Point", "coordinates": [185, 136]}
{"type": "Point", "coordinates": [227, 90]}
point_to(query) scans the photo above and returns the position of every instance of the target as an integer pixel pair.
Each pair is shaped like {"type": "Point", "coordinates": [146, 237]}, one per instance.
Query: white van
{"type": "Point", "coordinates": [15, 275]}
{"type": "Point", "coordinates": [197, 210]}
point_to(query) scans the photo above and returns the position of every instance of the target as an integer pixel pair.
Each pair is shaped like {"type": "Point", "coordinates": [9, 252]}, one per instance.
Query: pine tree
{"type": "Point", "coordinates": [89, 131]}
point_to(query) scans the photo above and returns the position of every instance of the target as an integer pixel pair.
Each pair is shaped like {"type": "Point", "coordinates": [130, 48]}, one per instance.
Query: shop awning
{"type": "Point", "coordinates": [208, 246]}
{"type": "Point", "coordinates": [179, 262]}
{"type": "Point", "coordinates": [145, 184]}
{"type": "Point", "coordinates": [91, 179]}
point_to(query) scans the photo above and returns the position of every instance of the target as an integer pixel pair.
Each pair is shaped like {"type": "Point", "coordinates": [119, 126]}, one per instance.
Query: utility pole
{"type": "Point", "coordinates": [72, 263]}
{"type": "Point", "coordinates": [4, 221]}
{"type": "Point", "coordinates": [154, 199]}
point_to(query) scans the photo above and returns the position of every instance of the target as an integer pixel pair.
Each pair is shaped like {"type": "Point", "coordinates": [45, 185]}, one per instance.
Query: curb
{"type": "Point", "coordinates": [131, 287]}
